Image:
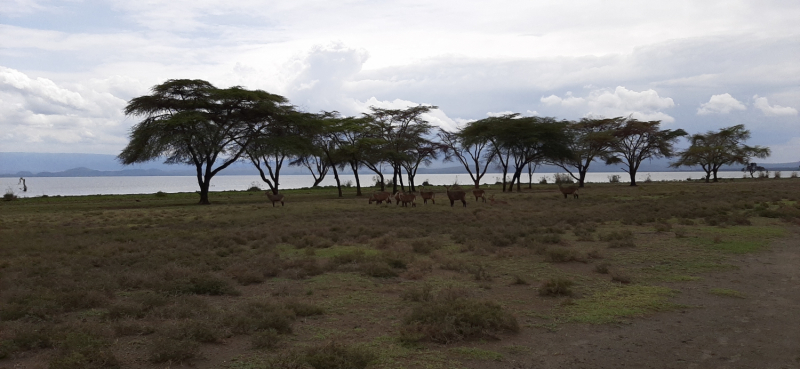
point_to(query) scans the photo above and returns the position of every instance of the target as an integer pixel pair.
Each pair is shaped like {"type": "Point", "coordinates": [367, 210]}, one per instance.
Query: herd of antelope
{"type": "Point", "coordinates": [454, 195]}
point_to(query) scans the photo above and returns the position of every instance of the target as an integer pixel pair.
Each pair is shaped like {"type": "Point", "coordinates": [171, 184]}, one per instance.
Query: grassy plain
{"type": "Point", "coordinates": [148, 280]}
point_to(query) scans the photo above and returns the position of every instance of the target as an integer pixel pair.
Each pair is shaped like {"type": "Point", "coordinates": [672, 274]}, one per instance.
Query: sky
{"type": "Point", "coordinates": [69, 67]}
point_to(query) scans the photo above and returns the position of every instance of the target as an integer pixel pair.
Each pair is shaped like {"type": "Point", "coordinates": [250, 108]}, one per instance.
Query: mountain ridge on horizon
{"type": "Point", "coordinates": [14, 164]}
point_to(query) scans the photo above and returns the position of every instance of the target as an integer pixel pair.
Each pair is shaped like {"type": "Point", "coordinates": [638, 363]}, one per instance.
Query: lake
{"type": "Point", "coordinates": [77, 186]}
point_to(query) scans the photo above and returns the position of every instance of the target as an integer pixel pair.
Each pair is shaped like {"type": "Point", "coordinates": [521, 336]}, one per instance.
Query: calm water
{"type": "Point", "coordinates": [76, 186]}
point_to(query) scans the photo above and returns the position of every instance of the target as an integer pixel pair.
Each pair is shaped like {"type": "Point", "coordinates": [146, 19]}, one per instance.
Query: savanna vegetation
{"type": "Point", "coordinates": [329, 282]}
{"type": "Point", "coordinates": [193, 122]}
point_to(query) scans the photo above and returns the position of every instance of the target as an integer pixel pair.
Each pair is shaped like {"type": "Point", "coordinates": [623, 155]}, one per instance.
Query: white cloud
{"type": "Point", "coordinates": [499, 113]}
{"type": "Point", "coordinates": [36, 112]}
{"type": "Point", "coordinates": [772, 110]}
{"type": "Point", "coordinates": [642, 105]}
{"type": "Point", "coordinates": [568, 100]}
{"type": "Point", "coordinates": [720, 104]}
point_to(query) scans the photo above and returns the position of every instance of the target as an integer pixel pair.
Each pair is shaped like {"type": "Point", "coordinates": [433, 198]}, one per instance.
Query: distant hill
{"type": "Point", "coordinates": [16, 164]}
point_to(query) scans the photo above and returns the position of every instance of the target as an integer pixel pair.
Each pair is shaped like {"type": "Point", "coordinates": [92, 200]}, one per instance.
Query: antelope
{"type": "Point", "coordinates": [397, 197]}
{"type": "Point", "coordinates": [406, 198]}
{"type": "Point", "coordinates": [492, 201]}
{"type": "Point", "coordinates": [571, 190]}
{"type": "Point", "coordinates": [479, 194]}
{"type": "Point", "coordinates": [456, 195]}
{"type": "Point", "coordinates": [380, 197]}
{"type": "Point", "coordinates": [274, 198]}
{"type": "Point", "coordinates": [427, 196]}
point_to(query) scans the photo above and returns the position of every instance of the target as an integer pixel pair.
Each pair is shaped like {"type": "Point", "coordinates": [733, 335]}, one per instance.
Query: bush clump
{"type": "Point", "coordinates": [556, 287]}
{"type": "Point", "coordinates": [338, 356]}
{"type": "Point", "coordinates": [452, 319]}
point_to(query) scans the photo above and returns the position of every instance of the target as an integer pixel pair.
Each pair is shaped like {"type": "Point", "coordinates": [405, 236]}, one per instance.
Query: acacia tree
{"type": "Point", "coordinates": [474, 154]}
{"type": "Point", "coordinates": [355, 144]}
{"type": "Point", "coordinates": [400, 128]}
{"type": "Point", "coordinates": [634, 141]}
{"type": "Point", "coordinates": [423, 153]}
{"type": "Point", "coordinates": [193, 122]}
{"type": "Point", "coordinates": [753, 168]}
{"type": "Point", "coordinates": [712, 150]}
{"type": "Point", "coordinates": [533, 140]}
{"type": "Point", "coordinates": [284, 138]}
{"type": "Point", "coordinates": [589, 138]}
{"type": "Point", "coordinates": [484, 131]}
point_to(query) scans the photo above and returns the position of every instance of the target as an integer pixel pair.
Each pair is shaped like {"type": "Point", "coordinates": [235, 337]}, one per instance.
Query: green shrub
{"type": "Point", "coordinates": [338, 356]}
{"type": "Point", "coordinates": [418, 294]}
{"type": "Point", "coordinates": [556, 287]}
{"type": "Point", "coordinates": [167, 350]}
{"type": "Point", "coordinates": [617, 235]}
{"type": "Point", "coordinates": [302, 309]}
{"type": "Point", "coordinates": [562, 255]}
{"type": "Point", "coordinates": [9, 195]}
{"type": "Point", "coordinates": [450, 320]}
{"type": "Point", "coordinates": [602, 268]}
{"type": "Point", "coordinates": [203, 285]}
{"type": "Point", "coordinates": [266, 339]}
{"type": "Point", "coordinates": [160, 194]}
{"type": "Point", "coordinates": [621, 244]}
{"type": "Point", "coordinates": [614, 178]}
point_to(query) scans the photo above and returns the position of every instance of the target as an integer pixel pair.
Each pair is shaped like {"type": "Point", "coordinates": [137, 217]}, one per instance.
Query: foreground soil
{"type": "Point", "coordinates": [760, 329]}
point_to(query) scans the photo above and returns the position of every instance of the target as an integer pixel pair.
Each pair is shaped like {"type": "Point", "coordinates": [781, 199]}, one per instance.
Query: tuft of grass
{"type": "Point", "coordinates": [620, 275]}
{"type": "Point", "coordinates": [477, 354]}
{"type": "Point", "coordinates": [556, 287]}
{"type": "Point", "coordinates": [418, 294]}
{"type": "Point", "coordinates": [727, 292]}
{"type": "Point", "coordinates": [602, 268]}
{"type": "Point", "coordinates": [302, 309]}
{"type": "Point", "coordinates": [562, 255]}
{"type": "Point", "coordinates": [519, 281]}
{"type": "Point", "coordinates": [172, 351]}
{"type": "Point", "coordinates": [621, 244]}
{"type": "Point", "coordinates": [339, 356]}
{"type": "Point", "coordinates": [455, 319]}
{"type": "Point", "coordinates": [266, 339]}
{"type": "Point", "coordinates": [621, 302]}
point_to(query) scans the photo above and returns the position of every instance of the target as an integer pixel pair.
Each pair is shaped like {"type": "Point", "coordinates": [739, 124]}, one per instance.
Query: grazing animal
{"type": "Point", "coordinates": [427, 196]}
{"type": "Point", "coordinates": [571, 190]}
{"type": "Point", "coordinates": [407, 198]}
{"type": "Point", "coordinates": [479, 194]}
{"type": "Point", "coordinates": [380, 197]}
{"type": "Point", "coordinates": [492, 201]}
{"type": "Point", "coordinates": [274, 198]}
{"type": "Point", "coordinates": [397, 197]}
{"type": "Point", "coordinates": [456, 195]}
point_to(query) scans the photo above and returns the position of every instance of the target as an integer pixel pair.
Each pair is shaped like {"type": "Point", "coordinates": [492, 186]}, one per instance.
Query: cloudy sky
{"type": "Point", "coordinates": [68, 68]}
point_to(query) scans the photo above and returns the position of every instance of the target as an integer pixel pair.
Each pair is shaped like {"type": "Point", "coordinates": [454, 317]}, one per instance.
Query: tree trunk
{"type": "Point", "coordinates": [477, 183]}
{"type": "Point", "coordinates": [633, 177]}
{"type": "Point", "coordinates": [505, 173]}
{"type": "Point", "coordinates": [336, 176]}
{"type": "Point", "coordinates": [708, 176]}
{"type": "Point", "coordinates": [394, 179]}
{"type": "Point", "coordinates": [383, 182]}
{"type": "Point", "coordinates": [582, 178]}
{"type": "Point", "coordinates": [715, 176]}
{"type": "Point", "coordinates": [358, 182]}
{"type": "Point", "coordinates": [204, 192]}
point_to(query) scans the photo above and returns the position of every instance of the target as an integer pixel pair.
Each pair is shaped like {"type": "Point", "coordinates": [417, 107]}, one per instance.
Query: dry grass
{"type": "Point", "coordinates": [177, 278]}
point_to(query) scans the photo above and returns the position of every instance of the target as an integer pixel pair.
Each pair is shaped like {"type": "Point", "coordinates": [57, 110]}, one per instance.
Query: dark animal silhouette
{"type": "Point", "coordinates": [456, 195]}
{"type": "Point", "coordinates": [479, 194]}
{"type": "Point", "coordinates": [407, 198]}
{"type": "Point", "coordinates": [380, 197]}
{"type": "Point", "coordinates": [571, 190]}
{"type": "Point", "coordinates": [274, 198]}
{"type": "Point", "coordinates": [429, 195]}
